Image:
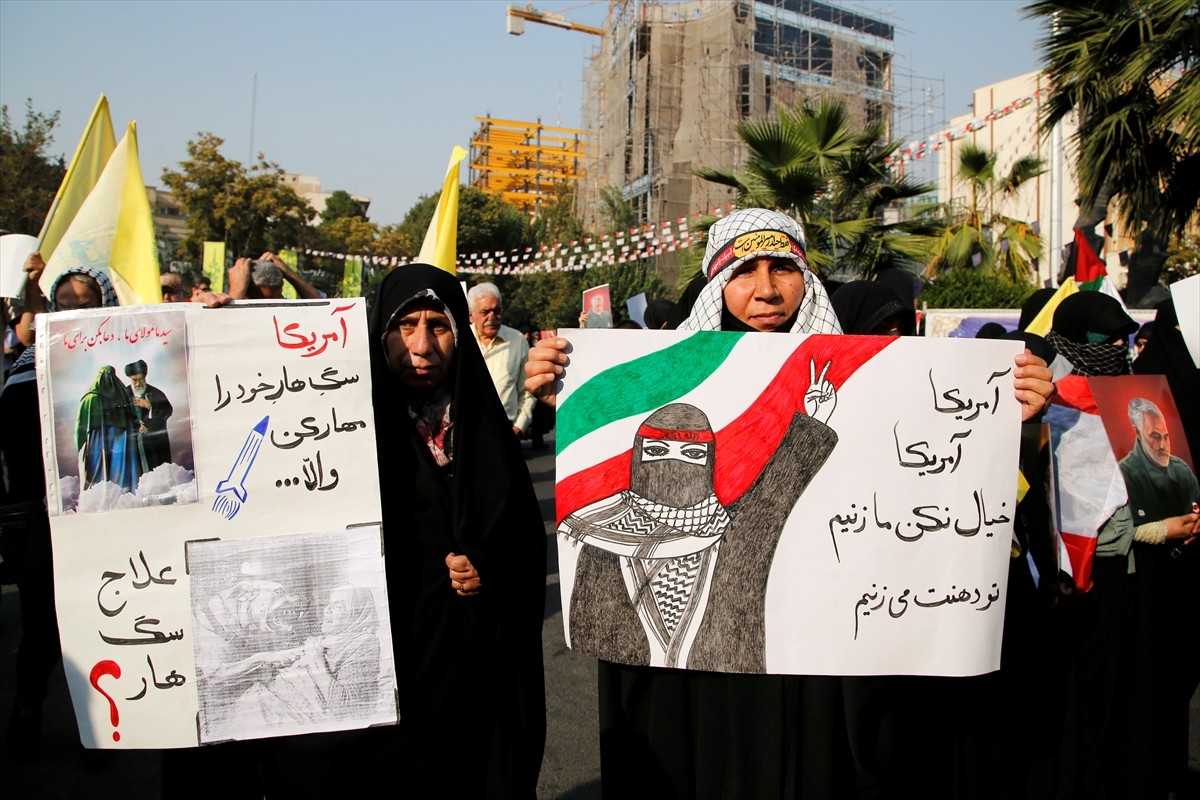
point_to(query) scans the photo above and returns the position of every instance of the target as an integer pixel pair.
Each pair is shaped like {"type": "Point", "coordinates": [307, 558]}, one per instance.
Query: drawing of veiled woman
{"type": "Point", "coordinates": [106, 434]}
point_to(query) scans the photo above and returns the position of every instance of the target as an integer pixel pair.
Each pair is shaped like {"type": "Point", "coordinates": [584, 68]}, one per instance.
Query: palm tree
{"type": "Point", "coordinates": [1129, 68]}
{"type": "Point", "coordinates": [813, 163]}
{"type": "Point", "coordinates": [982, 237]}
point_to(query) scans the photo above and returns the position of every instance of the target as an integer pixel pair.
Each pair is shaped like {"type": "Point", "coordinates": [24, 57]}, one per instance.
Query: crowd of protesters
{"type": "Point", "coordinates": [1091, 699]}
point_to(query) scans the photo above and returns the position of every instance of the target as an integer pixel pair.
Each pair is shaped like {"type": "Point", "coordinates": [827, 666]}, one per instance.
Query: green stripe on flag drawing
{"type": "Point", "coordinates": [644, 384]}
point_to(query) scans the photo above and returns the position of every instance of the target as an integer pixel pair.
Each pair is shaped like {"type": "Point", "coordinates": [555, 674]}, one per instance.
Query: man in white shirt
{"type": "Point", "coordinates": [504, 351]}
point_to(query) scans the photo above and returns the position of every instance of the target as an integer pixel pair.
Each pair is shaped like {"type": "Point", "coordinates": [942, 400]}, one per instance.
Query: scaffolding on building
{"type": "Point", "coordinates": [672, 80]}
{"type": "Point", "coordinates": [526, 163]}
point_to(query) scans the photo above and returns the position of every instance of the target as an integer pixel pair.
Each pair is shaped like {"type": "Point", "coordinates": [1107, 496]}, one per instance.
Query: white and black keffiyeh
{"type": "Point", "coordinates": [758, 229]}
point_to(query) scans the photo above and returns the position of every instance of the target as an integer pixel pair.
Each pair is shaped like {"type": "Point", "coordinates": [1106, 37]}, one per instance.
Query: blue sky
{"type": "Point", "coordinates": [371, 96]}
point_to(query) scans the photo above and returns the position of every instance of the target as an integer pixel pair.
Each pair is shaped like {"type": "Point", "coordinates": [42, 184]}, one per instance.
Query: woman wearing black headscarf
{"type": "Point", "coordinates": [466, 550]}
{"type": "Point", "coordinates": [865, 308]}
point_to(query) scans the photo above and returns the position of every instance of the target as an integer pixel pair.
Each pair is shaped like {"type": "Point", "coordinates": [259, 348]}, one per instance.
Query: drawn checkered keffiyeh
{"type": "Point", "coordinates": [816, 314]}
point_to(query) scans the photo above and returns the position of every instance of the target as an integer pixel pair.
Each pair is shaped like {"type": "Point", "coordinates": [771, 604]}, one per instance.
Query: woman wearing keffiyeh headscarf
{"type": "Point", "coordinates": [676, 733]}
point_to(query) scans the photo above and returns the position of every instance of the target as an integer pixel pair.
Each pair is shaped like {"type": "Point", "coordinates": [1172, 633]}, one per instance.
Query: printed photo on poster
{"type": "Point", "coordinates": [1146, 434]}
{"type": "Point", "coordinates": [597, 306]}
{"type": "Point", "coordinates": [121, 414]}
{"type": "Point", "coordinates": [291, 634]}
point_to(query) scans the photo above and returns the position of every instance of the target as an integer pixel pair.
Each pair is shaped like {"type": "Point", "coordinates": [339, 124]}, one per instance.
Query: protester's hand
{"type": "Point", "coordinates": [1033, 384]}
{"type": "Point", "coordinates": [34, 266]}
{"type": "Point", "coordinates": [239, 280]}
{"type": "Point", "coordinates": [545, 367]}
{"type": "Point", "coordinates": [464, 578]}
{"type": "Point", "coordinates": [1185, 526]}
{"type": "Point", "coordinates": [517, 431]}
{"type": "Point", "coordinates": [821, 397]}
{"type": "Point", "coordinates": [583, 320]}
{"type": "Point", "coordinates": [212, 299]}
{"type": "Point", "coordinates": [277, 261]}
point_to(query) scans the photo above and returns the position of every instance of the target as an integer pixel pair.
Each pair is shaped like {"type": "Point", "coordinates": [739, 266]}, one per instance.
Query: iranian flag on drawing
{"type": "Point", "coordinates": [754, 503]}
{"type": "Point", "coordinates": [1088, 486]}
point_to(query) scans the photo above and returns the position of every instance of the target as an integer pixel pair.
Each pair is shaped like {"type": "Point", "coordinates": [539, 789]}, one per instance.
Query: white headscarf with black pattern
{"type": "Point", "coordinates": [816, 314]}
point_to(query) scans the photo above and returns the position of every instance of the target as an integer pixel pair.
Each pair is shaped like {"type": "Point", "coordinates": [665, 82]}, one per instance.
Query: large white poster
{"type": "Point", "coordinates": [181, 444]}
{"type": "Point", "coordinates": [819, 505]}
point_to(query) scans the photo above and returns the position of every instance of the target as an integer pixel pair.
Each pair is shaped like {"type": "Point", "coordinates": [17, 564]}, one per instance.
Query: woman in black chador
{"type": "Point", "coordinates": [466, 551]}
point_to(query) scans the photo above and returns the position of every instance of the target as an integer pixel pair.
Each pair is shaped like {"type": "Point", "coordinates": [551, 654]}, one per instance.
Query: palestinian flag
{"type": "Point", "coordinates": [606, 409]}
{"type": "Point", "coordinates": [1087, 483]}
{"type": "Point", "coordinates": [1089, 275]}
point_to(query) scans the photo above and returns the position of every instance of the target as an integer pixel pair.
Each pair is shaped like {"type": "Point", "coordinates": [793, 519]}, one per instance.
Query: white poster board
{"type": "Point", "coordinates": [874, 543]}
{"type": "Point", "coordinates": [254, 421]}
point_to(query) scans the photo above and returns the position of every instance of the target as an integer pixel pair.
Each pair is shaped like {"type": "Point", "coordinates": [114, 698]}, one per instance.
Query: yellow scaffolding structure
{"type": "Point", "coordinates": [525, 162]}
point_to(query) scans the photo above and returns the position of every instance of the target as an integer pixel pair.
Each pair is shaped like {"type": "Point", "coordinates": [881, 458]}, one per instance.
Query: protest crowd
{"type": "Point", "coordinates": [1099, 651]}
{"type": "Point", "coordinates": [1097, 671]}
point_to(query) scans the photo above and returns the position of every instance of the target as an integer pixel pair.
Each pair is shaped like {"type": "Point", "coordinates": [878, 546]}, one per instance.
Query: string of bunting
{"type": "Point", "coordinates": [919, 148]}
{"type": "Point", "coordinates": [621, 247]}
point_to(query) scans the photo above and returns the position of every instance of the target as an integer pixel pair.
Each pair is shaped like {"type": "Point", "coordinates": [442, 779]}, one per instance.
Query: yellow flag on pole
{"type": "Point", "coordinates": [113, 231]}
{"type": "Point", "coordinates": [292, 259]}
{"type": "Point", "coordinates": [441, 240]}
{"type": "Point", "coordinates": [91, 154]}
{"type": "Point", "coordinates": [214, 265]}
{"type": "Point", "coordinates": [1041, 323]}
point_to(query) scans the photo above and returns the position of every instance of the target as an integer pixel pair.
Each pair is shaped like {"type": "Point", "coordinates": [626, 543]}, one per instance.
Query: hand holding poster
{"type": "Point", "coordinates": [747, 503]}
{"type": "Point", "coordinates": [181, 444]}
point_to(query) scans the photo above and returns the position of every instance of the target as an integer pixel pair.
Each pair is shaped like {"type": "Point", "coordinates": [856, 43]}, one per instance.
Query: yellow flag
{"type": "Point", "coordinates": [292, 259]}
{"type": "Point", "coordinates": [91, 154]}
{"type": "Point", "coordinates": [1041, 323]}
{"type": "Point", "coordinates": [352, 278]}
{"type": "Point", "coordinates": [113, 231]}
{"type": "Point", "coordinates": [214, 265]}
{"type": "Point", "coordinates": [441, 240]}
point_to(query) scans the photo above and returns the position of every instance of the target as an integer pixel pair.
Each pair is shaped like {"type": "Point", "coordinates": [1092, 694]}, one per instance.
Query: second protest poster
{"type": "Point", "coordinates": [811, 505]}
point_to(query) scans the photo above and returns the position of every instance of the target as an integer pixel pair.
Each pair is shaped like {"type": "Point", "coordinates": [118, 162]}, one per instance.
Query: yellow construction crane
{"type": "Point", "coordinates": [516, 17]}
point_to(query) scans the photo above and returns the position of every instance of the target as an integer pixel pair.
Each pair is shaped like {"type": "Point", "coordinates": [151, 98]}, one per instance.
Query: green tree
{"type": "Point", "coordinates": [1129, 68]}
{"type": "Point", "coordinates": [486, 223]}
{"type": "Point", "coordinates": [340, 204]}
{"type": "Point", "coordinates": [30, 176]}
{"type": "Point", "coordinates": [248, 209]}
{"type": "Point", "coordinates": [814, 163]}
{"type": "Point", "coordinates": [980, 236]}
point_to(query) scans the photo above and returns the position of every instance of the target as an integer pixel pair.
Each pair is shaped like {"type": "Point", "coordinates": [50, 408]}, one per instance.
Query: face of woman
{"type": "Point", "coordinates": [337, 612]}
{"type": "Point", "coordinates": [765, 292]}
{"type": "Point", "coordinates": [74, 294]}
{"type": "Point", "coordinates": [420, 348]}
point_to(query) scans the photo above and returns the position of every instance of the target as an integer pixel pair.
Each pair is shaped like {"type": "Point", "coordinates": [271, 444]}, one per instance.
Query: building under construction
{"type": "Point", "coordinates": [526, 163]}
{"type": "Point", "coordinates": [672, 79]}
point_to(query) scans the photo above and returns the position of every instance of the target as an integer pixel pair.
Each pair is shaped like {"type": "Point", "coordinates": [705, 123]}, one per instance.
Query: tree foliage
{"type": "Point", "coordinates": [485, 222]}
{"type": "Point", "coordinates": [980, 236]}
{"type": "Point", "coordinates": [814, 163]}
{"type": "Point", "coordinates": [974, 288]}
{"type": "Point", "coordinates": [29, 175]}
{"type": "Point", "coordinates": [1129, 68]}
{"type": "Point", "coordinates": [248, 209]}
{"type": "Point", "coordinates": [340, 205]}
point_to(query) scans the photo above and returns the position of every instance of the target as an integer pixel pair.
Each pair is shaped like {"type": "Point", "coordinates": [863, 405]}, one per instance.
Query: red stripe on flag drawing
{"type": "Point", "coordinates": [745, 445]}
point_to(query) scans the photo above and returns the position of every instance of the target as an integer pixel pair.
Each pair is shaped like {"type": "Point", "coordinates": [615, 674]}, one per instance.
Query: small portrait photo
{"type": "Point", "coordinates": [597, 307]}
{"type": "Point", "coordinates": [1146, 434]}
{"type": "Point", "coordinates": [291, 634]}
{"type": "Point", "coordinates": [121, 415]}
